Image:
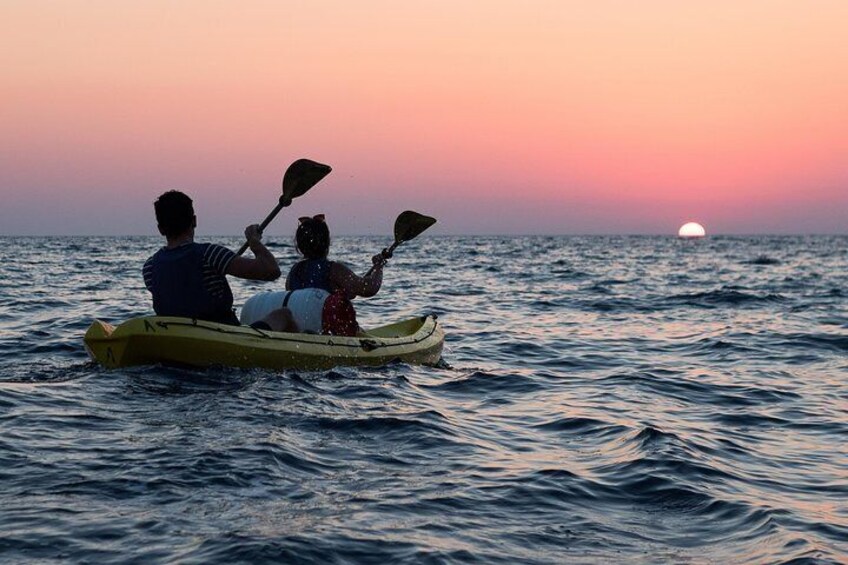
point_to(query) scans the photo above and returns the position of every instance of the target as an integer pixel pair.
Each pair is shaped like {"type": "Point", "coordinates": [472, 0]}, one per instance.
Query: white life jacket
{"type": "Point", "coordinates": [306, 305]}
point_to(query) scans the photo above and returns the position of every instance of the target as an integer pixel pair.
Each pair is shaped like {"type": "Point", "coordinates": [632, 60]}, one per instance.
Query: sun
{"type": "Point", "coordinates": [691, 229]}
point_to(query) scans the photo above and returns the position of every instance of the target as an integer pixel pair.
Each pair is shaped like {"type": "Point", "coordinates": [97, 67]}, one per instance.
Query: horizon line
{"type": "Point", "coordinates": [623, 234]}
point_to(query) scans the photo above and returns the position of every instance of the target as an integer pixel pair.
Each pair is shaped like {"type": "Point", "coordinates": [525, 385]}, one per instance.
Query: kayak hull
{"type": "Point", "coordinates": [182, 341]}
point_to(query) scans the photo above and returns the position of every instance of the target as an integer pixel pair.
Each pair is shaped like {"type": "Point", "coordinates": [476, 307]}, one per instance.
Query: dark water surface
{"type": "Point", "coordinates": [604, 399]}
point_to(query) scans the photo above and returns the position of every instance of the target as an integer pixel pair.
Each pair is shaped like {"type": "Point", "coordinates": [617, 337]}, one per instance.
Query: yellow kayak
{"type": "Point", "coordinates": [183, 341]}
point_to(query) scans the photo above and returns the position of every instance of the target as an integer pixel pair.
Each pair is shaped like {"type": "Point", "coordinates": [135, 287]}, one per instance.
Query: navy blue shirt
{"type": "Point", "coordinates": [310, 273]}
{"type": "Point", "coordinates": [189, 281]}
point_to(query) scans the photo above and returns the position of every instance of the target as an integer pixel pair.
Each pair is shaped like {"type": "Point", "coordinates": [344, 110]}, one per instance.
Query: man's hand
{"type": "Point", "coordinates": [253, 234]}
{"type": "Point", "coordinates": [263, 267]}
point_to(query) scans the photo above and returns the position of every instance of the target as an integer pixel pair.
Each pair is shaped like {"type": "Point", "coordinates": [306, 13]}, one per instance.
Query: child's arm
{"type": "Point", "coordinates": [352, 284]}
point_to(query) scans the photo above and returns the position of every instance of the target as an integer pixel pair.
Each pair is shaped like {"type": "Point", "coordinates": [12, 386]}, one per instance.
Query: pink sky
{"type": "Point", "coordinates": [610, 116]}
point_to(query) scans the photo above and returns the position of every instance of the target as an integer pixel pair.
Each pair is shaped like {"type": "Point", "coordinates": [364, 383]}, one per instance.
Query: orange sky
{"type": "Point", "coordinates": [611, 116]}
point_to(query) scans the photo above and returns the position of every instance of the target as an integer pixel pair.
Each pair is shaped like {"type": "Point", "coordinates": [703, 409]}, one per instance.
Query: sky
{"type": "Point", "coordinates": [496, 117]}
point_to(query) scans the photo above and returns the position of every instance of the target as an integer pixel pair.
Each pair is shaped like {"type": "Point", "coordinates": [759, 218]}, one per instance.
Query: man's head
{"type": "Point", "coordinates": [174, 213]}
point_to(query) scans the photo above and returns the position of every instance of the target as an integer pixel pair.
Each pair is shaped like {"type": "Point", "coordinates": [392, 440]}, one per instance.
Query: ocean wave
{"type": "Point", "coordinates": [724, 297]}
{"type": "Point", "coordinates": [762, 260]}
{"type": "Point", "coordinates": [701, 393]}
{"type": "Point", "coordinates": [481, 382]}
{"type": "Point", "coordinates": [582, 427]}
{"type": "Point", "coordinates": [414, 426]}
{"type": "Point", "coordinates": [811, 341]}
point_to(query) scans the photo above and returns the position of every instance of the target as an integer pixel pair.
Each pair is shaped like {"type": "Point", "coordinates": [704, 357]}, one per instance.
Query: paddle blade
{"type": "Point", "coordinates": [302, 175]}
{"type": "Point", "coordinates": [410, 225]}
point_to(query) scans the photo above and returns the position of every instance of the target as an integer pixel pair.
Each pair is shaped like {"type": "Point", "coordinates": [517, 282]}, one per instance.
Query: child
{"type": "Point", "coordinates": [319, 291]}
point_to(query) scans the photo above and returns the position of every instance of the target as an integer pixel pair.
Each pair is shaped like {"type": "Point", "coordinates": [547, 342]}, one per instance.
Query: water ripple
{"type": "Point", "coordinates": [602, 400]}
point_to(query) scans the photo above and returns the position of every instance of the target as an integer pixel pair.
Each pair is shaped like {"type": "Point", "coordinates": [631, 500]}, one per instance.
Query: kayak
{"type": "Point", "coordinates": [184, 341]}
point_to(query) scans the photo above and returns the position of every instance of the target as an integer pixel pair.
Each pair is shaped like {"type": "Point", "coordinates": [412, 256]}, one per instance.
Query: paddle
{"type": "Point", "coordinates": [301, 175]}
{"type": "Point", "coordinates": [408, 225]}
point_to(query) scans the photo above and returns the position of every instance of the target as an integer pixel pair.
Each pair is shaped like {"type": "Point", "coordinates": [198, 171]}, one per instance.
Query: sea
{"type": "Point", "coordinates": [600, 399]}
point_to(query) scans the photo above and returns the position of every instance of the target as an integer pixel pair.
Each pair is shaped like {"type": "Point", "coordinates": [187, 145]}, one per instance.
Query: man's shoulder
{"type": "Point", "coordinates": [218, 256]}
{"type": "Point", "coordinates": [152, 258]}
{"type": "Point", "coordinates": [210, 249]}
{"type": "Point", "coordinates": [208, 245]}
{"type": "Point", "coordinates": [180, 252]}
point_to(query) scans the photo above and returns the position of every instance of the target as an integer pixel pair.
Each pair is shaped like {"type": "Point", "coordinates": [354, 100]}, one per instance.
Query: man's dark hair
{"type": "Point", "coordinates": [313, 238]}
{"type": "Point", "coordinates": [174, 213]}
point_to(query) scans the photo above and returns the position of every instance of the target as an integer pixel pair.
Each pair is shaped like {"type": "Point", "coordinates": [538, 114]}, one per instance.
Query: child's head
{"type": "Point", "coordinates": [313, 237]}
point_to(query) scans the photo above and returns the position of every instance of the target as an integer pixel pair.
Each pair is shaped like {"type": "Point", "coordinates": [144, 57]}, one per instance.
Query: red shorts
{"type": "Point", "coordinates": [338, 316]}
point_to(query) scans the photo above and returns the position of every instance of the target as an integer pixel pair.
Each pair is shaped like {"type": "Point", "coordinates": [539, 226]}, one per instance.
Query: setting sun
{"type": "Point", "coordinates": [691, 229]}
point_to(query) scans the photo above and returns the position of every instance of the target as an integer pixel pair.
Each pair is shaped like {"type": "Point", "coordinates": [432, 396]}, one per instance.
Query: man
{"type": "Point", "coordinates": [188, 279]}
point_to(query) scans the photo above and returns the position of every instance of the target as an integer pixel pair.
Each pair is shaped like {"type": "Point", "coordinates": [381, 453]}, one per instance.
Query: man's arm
{"type": "Point", "coordinates": [263, 267]}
